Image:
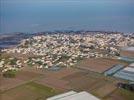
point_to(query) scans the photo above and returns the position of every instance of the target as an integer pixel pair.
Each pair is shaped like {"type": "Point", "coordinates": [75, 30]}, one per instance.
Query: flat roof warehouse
{"type": "Point", "coordinates": [128, 48]}
{"type": "Point", "coordinates": [127, 54]}
{"type": "Point", "coordinates": [72, 95]}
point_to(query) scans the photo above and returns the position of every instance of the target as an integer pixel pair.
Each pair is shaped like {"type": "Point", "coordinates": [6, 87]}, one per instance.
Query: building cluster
{"type": "Point", "coordinates": [10, 64]}
{"type": "Point", "coordinates": [67, 49]}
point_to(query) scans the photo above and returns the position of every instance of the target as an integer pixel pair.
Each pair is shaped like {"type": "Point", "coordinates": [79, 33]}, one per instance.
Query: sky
{"type": "Point", "coordinates": [68, 1]}
{"type": "Point", "coordinates": [39, 15]}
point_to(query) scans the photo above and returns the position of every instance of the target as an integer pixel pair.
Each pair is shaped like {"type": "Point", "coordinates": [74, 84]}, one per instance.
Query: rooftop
{"type": "Point", "coordinates": [72, 95]}
{"type": "Point", "coordinates": [128, 49]}
{"type": "Point", "coordinates": [131, 65]}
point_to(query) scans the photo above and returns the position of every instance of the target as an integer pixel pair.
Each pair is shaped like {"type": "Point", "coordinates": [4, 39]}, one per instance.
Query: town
{"type": "Point", "coordinates": [66, 50]}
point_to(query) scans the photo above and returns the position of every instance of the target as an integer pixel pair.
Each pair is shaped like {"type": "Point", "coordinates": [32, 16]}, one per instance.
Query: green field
{"type": "Point", "coordinates": [29, 91]}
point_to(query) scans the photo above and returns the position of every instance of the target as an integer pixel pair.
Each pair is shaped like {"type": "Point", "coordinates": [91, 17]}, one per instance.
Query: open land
{"type": "Point", "coordinates": [29, 91]}
{"type": "Point", "coordinates": [59, 82]}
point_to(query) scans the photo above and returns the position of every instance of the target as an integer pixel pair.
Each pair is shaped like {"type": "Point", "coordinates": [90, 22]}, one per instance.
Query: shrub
{"type": "Point", "coordinates": [10, 73]}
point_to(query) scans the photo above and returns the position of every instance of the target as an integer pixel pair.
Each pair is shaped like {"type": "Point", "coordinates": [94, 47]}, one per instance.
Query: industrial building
{"type": "Point", "coordinates": [72, 95]}
{"type": "Point", "coordinates": [119, 71]}
{"type": "Point", "coordinates": [127, 52]}
{"type": "Point", "coordinates": [126, 73]}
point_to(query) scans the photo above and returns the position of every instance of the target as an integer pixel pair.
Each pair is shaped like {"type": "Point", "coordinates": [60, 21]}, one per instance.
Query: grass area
{"type": "Point", "coordinates": [10, 73]}
{"type": "Point", "coordinates": [29, 91]}
{"type": "Point", "coordinates": [121, 94]}
{"type": "Point", "coordinates": [40, 88]}
{"type": "Point", "coordinates": [125, 94]}
{"type": "Point", "coordinates": [104, 90]}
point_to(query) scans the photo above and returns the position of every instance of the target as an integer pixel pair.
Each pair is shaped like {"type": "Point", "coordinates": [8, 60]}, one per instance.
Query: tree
{"type": "Point", "coordinates": [10, 73]}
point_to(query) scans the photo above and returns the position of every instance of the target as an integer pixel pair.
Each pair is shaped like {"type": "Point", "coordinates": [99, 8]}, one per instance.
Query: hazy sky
{"type": "Point", "coordinates": [110, 1]}
{"type": "Point", "coordinates": [40, 15]}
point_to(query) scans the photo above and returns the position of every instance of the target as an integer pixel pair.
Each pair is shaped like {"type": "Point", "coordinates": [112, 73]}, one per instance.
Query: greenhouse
{"type": "Point", "coordinates": [127, 75]}
{"type": "Point", "coordinates": [113, 70]}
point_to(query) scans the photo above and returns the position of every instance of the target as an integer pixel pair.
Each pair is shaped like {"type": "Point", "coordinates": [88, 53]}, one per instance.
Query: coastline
{"type": "Point", "coordinates": [10, 40]}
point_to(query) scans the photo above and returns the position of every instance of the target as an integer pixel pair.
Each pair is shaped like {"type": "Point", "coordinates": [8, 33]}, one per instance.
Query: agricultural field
{"type": "Point", "coordinates": [21, 77]}
{"type": "Point", "coordinates": [83, 81]}
{"type": "Point", "coordinates": [120, 94]}
{"type": "Point", "coordinates": [99, 64]}
{"type": "Point", "coordinates": [29, 91]}
{"type": "Point", "coordinates": [39, 84]}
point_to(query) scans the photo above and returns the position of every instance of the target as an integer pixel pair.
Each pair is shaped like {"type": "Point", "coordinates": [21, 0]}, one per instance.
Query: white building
{"type": "Point", "coordinates": [72, 95]}
{"type": "Point", "coordinates": [131, 65]}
